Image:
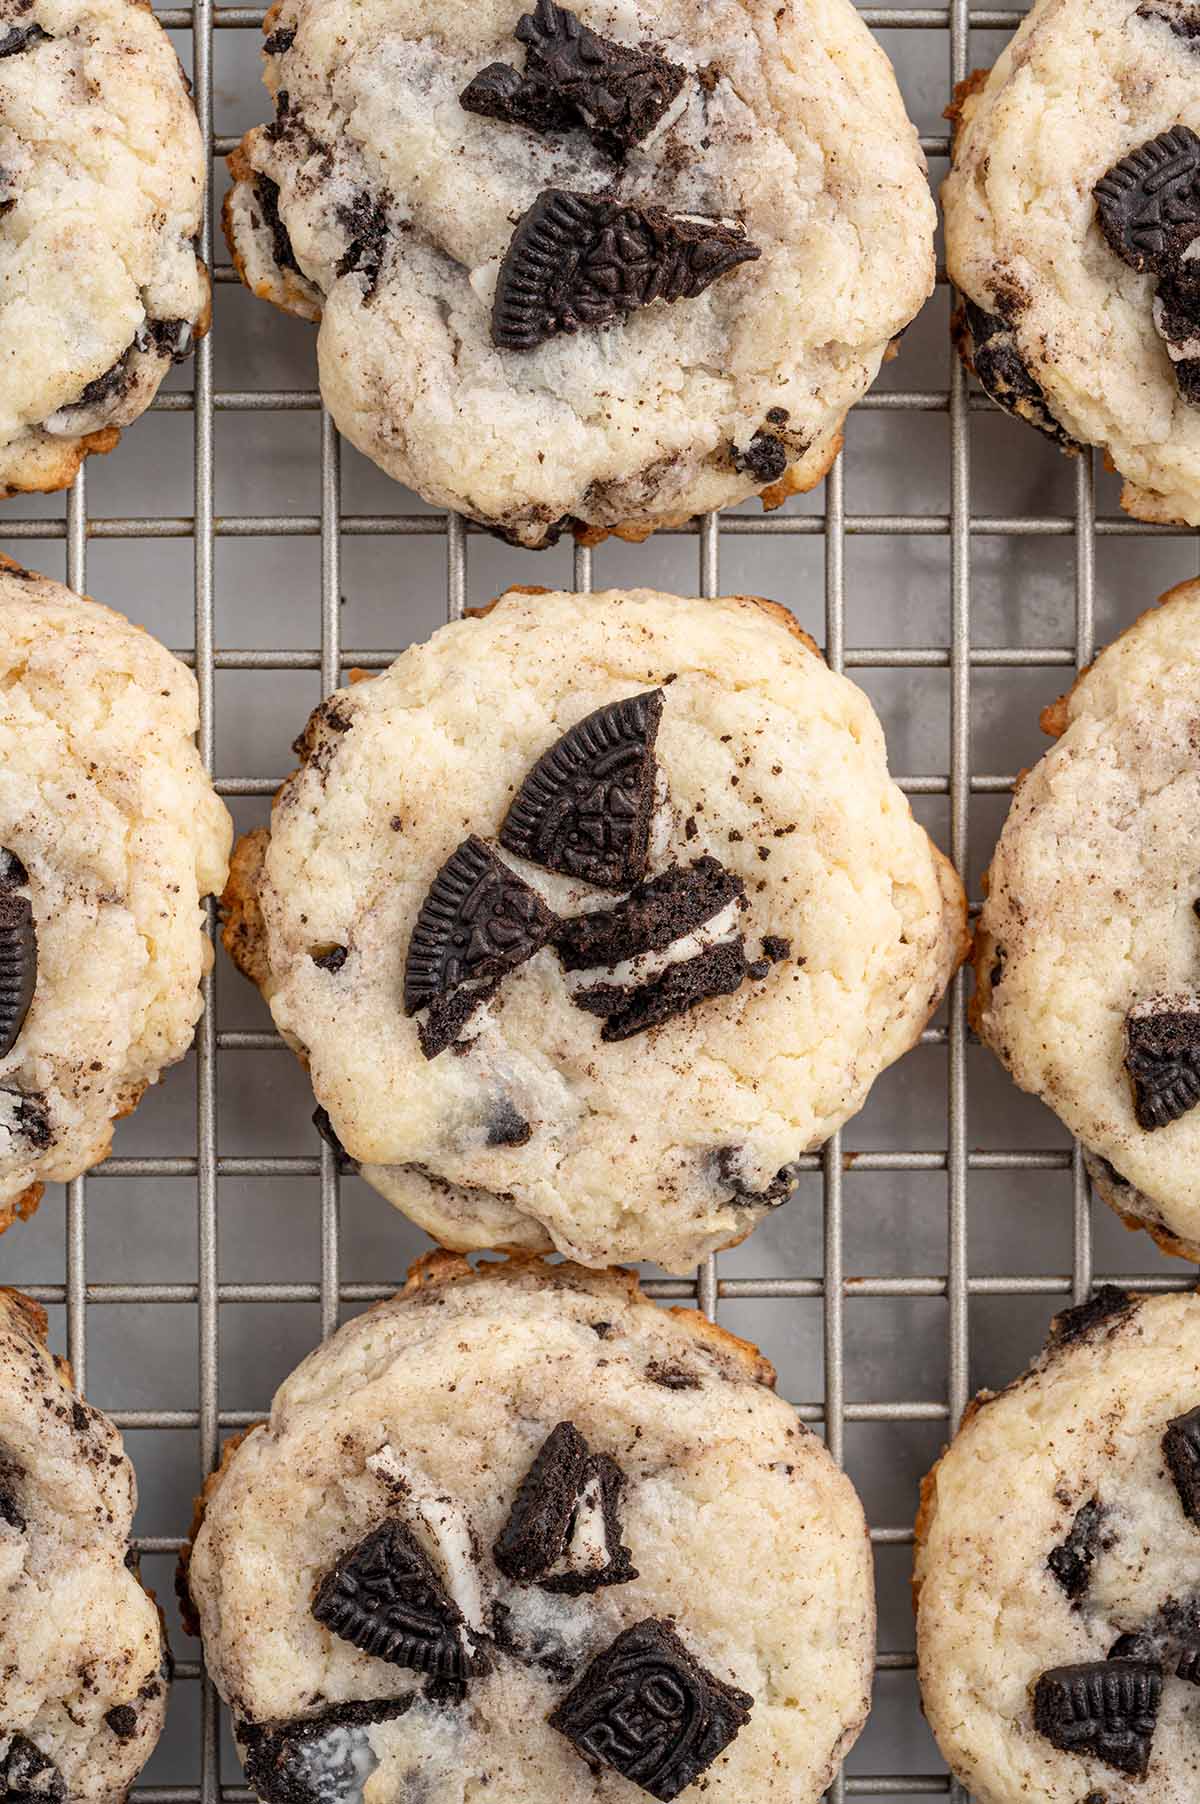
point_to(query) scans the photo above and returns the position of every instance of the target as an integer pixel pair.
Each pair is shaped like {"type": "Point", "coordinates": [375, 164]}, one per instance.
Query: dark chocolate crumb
{"type": "Point", "coordinates": [1071, 1561]}
{"type": "Point", "coordinates": [332, 959]}
{"type": "Point", "coordinates": [508, 1127]}
{"type": "Point", "coordinates": [776, 948]}
{"type": "Point", "coordinates": [21, 37]}
{"type": "Point", "coordinates": [672, 1378]}
{"type": "Point", "coordinates": [122, 1719]}
{"type": "Point", "coordinates": [765, 457]}
{"type": "Point", "coordinates": [279, 41]}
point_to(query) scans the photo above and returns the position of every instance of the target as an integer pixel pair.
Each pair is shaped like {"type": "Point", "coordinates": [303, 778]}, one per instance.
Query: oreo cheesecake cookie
{"type": "Point", "coordinates": [1087, 954]}
{"type": "Point", "coordinates": [483, 1547]}
{"type": "Point", "coordinates": [101, 186]}
{"type": "Point", "coordinates": [594, 267]}
{"type": "Point", "coordinates": [110, 836]}
{"type": "Point", "coordinates": [589, 916]}
{"type": "Point", "coordinates": [1057, 1568]}
{"type": "Point", "coordinates": [1072, 230]}
{"type": "Point", "coordinates": [83, 1660]}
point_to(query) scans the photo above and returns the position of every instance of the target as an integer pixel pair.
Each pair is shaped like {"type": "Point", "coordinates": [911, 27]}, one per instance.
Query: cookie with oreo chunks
{"type": "Point", "coordinates": [1057, 1568]}
{"type": "Point", "coordinates": [519, 1532]}
{"type": "Point", "coordinates": [579, 268]}
{"type": "Point", "coordinates": [110, 836]}
{"type": "Point", "coordinates": [83, 1659]}
{"type": "Point", "coordinates": [101, 189]}
{"type": "Point", "coordinates": [1072, 213]}
{"type": "Point", "coordinates": [1087, 952]}
{"type": "Point", "coordinates": [598, 977]}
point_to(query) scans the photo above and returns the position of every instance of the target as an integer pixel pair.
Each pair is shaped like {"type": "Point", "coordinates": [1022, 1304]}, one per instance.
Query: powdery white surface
{"type": "Point", "coordinates": [1081, 85]}
{"type": "Point", "coordinates": [1090, 896]}
{"type": "Point", "coordinates": [78, 1635]}
{"type": "Point", "coordinates": [104, 800]}
{"type": "Point", "coordinates": [102, 184]}
{"type": "Point", "coordinates": [803, 137]}
{"type": "Point", "coordinates": [1086, 1421]}
{"type": "Point", "coordinates": [780, 767]}
{"type": "Point", "coordinates": [740, 1525]}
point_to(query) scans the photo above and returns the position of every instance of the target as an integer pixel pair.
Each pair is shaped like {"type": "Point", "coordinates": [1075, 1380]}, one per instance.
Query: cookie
{"type": "Point", "coordinates": [1058, 1567]}
{"type": "Point", "coordinates": [101, 189]}
{"type": "Point", "coordinates": [1072, 229]}
{"type": "Point", "coordinates": [590, 267]}
{"type": "Point", "coordinates": [83, 1660]}
{"type": "Point", "coordinates": [590, 916]}
{"type": "Point", "coordinates": [1088, 948]}
{"type": "Point", "coordinates": [486, 1544]}
{"type": "Point", "coordinates": [110, 835]}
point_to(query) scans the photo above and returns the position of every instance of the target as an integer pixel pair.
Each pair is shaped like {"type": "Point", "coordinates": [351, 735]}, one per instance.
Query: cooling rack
{"type": "Point", "coordinates": [222, 1241]}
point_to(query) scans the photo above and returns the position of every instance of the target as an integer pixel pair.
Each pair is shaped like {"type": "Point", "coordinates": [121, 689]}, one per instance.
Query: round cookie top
{"type": "Point", "coordinates": [1058, 1567]}
{"type": "Point", "coordinates": [738, 224]}
{"type": "Point", "coordinates": [83, 1686]}
{"type": "Point", "coordinates": [590, 915]}
{"type": "Point", "coordinates": [1088, 947]}
{"type": "Point", "coordinates": [110, 834]}
{"type": "Point", "coordinates": [101, 187]}
{"type": "Point", "coordinates": [1071, 210]}
{"type": "Point", "coordinates": [561, 1470]}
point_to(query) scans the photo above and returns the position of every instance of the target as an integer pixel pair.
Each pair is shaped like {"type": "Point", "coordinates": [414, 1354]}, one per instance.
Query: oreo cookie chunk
{"type": "Point", "coordinates": [72, 1606]}
{"type": "Point", "coordinates": [385, 1597]}
{"type": "Point", "coordinates": [564, 1529]}
{"type": "Point", "coordinates": [1162, 1057]}
{"type": "Point", "coordinates": [649, 1711]}
{"type": "Point", "coordinates": [1091, 1655]}
{"type": "Point", "coordinates": [1148, 205]}
{"type": "Point", "coordinates": [485, 1409]}
{"type": "Point", "coordinates": [18, 957]}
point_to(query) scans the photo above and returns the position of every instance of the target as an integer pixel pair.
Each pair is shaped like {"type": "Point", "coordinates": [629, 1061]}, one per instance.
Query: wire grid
{"type": "Point", "coordinates": [331, 659]}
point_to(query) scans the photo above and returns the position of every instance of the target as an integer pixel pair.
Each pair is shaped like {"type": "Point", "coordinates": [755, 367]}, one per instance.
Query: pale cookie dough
{"type": "Point", "coordinates": [110, 835]}
{"type": "Point", "coordinates": [83, 1679]}
{"type": "Point", "coordinates": [800, 927]}
{"type": "Point", "coordinates": [101, 186]}
{"type": "Point", "coordinates": [1090, 915]}
{"type": "Point", "coordinates": [1061, 328]}
{"type": "Point", "coordinates": [1062, 1530]}
{"type": "Point", "coordinates": [397, 1472]}
{"type": "Point", "coordinates": [379, 204]}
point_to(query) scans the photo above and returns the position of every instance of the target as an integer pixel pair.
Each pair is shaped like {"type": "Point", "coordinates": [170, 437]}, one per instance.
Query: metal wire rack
{"type": "Point", "coordinates": [204, 1166]}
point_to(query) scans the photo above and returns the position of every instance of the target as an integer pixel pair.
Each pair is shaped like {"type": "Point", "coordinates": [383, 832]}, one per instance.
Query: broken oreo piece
{"type": "Point", "coordinates": [584, 809]}
{"type": "Point", "coordinates": [27, 1776]}
{"type": "Point", "coordinates": [507, 1126]}
{"type": "Point", "coordinates": [1148, 204]}
{"type": "Point", "coordinates": [717, 972]}
{"type": "Point", "coordinates": [449, 1016]}
{"type": "Point", "coordinates": [1003, 374]}
{"type": "Point", "coordinates": [11, 1474]}
{"type": "Point", "coordinates": [20, 37]}
{"type": "Point", "coordinates": [730, 1168]}
{"type": "Point", "coordinates": [1162, 1057]}
{"type": "Point", "coordinates": [18, 965]}
{"type": "Point", "coordinates": [1107, 1708]}
{"type": "Point", "coordinates": [479, 920]}
{"type": "Point", "coordinates": [765, 457]}
{"type": "Point", "coordinates": [655, 914]}
{"type": "Point", "coordinates": [385, 1598]}
{"type": "Point", "coordinates": [329, 1134]}
{"type": "Point", "coordinates": [1181, 1449]}
{"type": "Point", "coordinates": [563, 1531]}
{"type": "Point", "coordinates": [573, 76]}
{"type": "Point", "coordinates": [647, 1710]}
{"type": "Point", "coordinates": [1071, 1561]}
{"type": "Point", "coordinates": [323, 1759]}
{"type": "Point", "coordinates": [579, 260]}
{"type": "Point", "coordinates": [1110, 1304]}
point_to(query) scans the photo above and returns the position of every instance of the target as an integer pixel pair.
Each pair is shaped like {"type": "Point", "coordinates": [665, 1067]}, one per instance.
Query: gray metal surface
{"type": "Point", "coordinates": [929, 1242]}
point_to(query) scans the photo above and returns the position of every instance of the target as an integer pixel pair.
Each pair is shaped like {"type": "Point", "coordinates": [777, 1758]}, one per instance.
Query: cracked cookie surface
{"type": "Point", "coordinates": [795, 930]}
{"type": "Point", "coordinates": [442, 1411]}
{"type": "Point", "coordinates": [83, 1689]}
{"type": "Point", "coordinates": [111, 834]}
{"type": "Point", "coordinates": [1058, 1567]}
{"type": "Point", "coordinates": [1061, 329]}
{"type": "Point", "coordinates": [382, 205]}
{"type": "Point", "coordinates": [101, 186]}
{"type": "Point", "coordinates": [1088, 947]}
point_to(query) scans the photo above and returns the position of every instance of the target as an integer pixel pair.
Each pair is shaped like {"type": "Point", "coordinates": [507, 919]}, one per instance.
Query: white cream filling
{"type": "Point", "coordinates": [587, 1550]}
{"type": "Point", "coordinates": [343, 1758]}
{"type": "Point", "coordinates": [645, 966]}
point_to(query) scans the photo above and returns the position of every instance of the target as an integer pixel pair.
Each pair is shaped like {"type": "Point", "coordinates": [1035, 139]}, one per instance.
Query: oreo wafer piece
{"type": "Point", "coordinates": [649, 1711]}
{"type": "Point", "coordinates": [384, 1597]}
{"type": "Point", "coordinates": [566, 1481]}
{"type": "Point", "coordinates": [1181, 1449]}
{"type": "Point", "coordinates": [573, 76]}
{"type": "Point", "coordinates": [658, 911]}
{"type": "Point", "coordinates": [1148, 204]}
{"type": "Point", "coordinates": [27, 1776]}
{"type": "Point", "coordinates": [479, 920]}
{"type": "Point", "coordinates": [18, 956]}
{"type": "Point", "coordinates": [717, 972]}
{"type": "Point", "coordinates": [450, 1016]}
{"type": "Point", "coordinates": [584, 809]}
{"type": "Point", "coordinates": [1162, 1057]}
{"type": "Point", "coordinates": [1107, 1708]}
{"type": "Point", "coordinates": [1071, 1561]}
